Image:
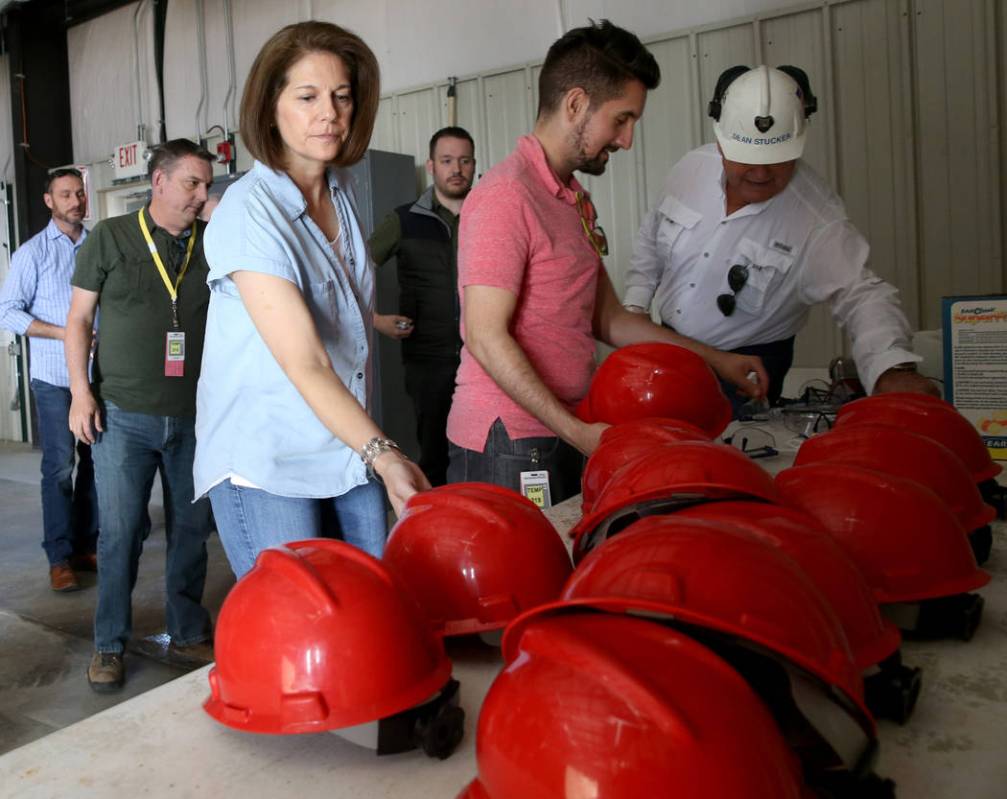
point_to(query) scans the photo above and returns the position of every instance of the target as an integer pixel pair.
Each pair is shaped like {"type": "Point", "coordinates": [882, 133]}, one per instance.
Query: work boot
{"type": "Point", "coordinates": [199, 652]}
{"type": "Point", "coordinates": [85, 562]}
{"type": "Point", "coordinates": [106, 672]}
{"type": "Point", "coordinates": [62, 578]}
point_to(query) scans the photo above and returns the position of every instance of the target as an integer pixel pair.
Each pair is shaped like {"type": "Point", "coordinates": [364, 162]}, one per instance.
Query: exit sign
{"type": "Point", "coordinates": [129, 161]}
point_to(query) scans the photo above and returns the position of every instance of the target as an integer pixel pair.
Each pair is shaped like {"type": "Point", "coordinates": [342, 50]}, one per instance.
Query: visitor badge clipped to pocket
{"type": "Point", "coordinates": [174, 354]}
{"type": "Point", "coordinates": [535, 486]}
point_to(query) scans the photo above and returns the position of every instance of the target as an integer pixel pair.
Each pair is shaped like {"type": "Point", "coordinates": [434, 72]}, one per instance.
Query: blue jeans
{"type": "Point", "coordinates": [133, 448]}
{"type": "Point", "coordinates": [69, 507]}
{"type": "Point", "coordinates": [250, 520]}
{"type": "Point", "coordinates": [503, 459]}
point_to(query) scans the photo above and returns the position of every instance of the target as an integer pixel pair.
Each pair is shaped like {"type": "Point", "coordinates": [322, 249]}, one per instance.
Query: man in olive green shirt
{"type": "Point", "coordinates": [146, 274]}
{"type": "Point", "coordinates": [423, 237]}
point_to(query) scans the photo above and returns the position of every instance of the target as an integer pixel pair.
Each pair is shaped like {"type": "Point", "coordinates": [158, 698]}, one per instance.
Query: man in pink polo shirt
{"type": "Point", "coordinates": [534, 291]}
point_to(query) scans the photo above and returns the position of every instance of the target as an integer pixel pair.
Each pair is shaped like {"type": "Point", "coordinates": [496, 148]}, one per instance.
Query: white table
{"type": "Point", "coordinates": [162, 743]}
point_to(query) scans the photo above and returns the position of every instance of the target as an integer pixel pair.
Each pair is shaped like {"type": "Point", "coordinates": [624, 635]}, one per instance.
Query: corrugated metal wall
{"type": "Point", "coordinates": [109, 95]}
{"type": "Point", "coordinates": [958, 150]}
{"type": "Point", "coordinates": [907, 129]}
{"type": "Point", "coordinates": [10, 426]}
{"type": "Point", "coordinates": [908, 100]}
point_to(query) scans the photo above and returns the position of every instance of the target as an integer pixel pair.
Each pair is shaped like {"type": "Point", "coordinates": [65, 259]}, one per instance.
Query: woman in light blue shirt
{"type": "Point", "coordinates": [284, 441]}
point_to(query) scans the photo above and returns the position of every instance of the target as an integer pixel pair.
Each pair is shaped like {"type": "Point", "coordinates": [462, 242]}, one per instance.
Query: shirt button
{"type": "Point", "coordinates": [706, 255]}
{"type": "Point", "coordinates": [360, 375]}
{"type": "Point", "coordinates": [692, 285]}
{"type": "Point", "coordinates": [678, 310]}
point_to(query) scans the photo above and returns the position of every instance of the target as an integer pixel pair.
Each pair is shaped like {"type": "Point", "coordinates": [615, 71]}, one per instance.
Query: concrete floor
{"type": "Point", "coordinates": [45, 637]}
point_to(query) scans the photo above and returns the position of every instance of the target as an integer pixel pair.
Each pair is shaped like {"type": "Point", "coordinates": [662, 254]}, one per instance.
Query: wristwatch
{"type": "Point", "coordinates": [376, 447]}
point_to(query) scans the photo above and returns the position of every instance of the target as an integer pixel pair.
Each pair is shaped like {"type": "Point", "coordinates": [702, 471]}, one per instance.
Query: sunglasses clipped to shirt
{"type": "Point", "coordinates": [589, 221]}
{"type": "Point", "coordinates": [737, 277]}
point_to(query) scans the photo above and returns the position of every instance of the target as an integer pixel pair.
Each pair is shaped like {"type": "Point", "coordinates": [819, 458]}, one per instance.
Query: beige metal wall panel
{"type": "Point", "coordinates": [102, 56]}
{"type": "Point", "coordinates": [507, 117]}
{"type": "Point", "coordinates": [181, 69]}
{"type": "Point", "coordinates": [384, 136]}
{"type": "Point", "coordinates": [1001, 28]}
{"type": "Point", "coordinates": [10, 421]}
{"type": "Point", "coordinates": [799, 39]}
{"type": "Point", "coordinates": [874, 137]}
{"type": "Point", "coordinates": [469, 115]}
{"type": "Point", "coordinates": [418, 116]}
{"type": "Point", "coordinates": [957, 159]}
{"type": "Point", "coordinates": [6, 125]}
{"type": "Point", "coordinates": [253, 22]}
{"type": "Point", "coordinates": [617, 202]}
{"type": "Point", "coordinates": [666, 132]}
{"type": "Point", "coordinates": [536, 72]}
{"type": "Point", "coordinates": [716, 51]}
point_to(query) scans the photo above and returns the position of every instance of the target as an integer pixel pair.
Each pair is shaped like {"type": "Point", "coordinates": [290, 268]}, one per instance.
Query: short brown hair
{"type": "Point", "coordinates": [268, 78]}
{"type": "Point", "coordinates": [62, 172]}
{"type": "Point", "coordinates": [165, 156]}
{"type": "Point", "coordinates": [598, 58]}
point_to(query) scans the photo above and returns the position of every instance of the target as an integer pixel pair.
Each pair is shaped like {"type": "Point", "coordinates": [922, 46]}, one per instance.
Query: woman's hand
{"type": "Point", "coordinates": [402, 478]}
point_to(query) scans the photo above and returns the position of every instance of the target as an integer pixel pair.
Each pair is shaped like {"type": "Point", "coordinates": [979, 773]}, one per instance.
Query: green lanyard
{"type": "Point", "coordinates": [172, 289]}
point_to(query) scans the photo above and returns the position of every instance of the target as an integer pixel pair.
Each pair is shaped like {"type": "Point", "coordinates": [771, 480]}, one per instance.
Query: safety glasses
{"type": "Point", "coordinates": [589, 221]}
{"type": "Point", "coordinates": [737, 277]}
{"type": "Point", "coordinates": [754, 442]}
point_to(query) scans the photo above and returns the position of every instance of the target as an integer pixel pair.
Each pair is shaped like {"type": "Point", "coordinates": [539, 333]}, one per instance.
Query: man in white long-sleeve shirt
{"type": "Point", "coordinates": [747, 238]}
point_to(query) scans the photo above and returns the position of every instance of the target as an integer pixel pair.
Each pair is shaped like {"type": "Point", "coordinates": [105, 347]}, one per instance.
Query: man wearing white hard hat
{"type": "Point", "coordinates": [747, 238]}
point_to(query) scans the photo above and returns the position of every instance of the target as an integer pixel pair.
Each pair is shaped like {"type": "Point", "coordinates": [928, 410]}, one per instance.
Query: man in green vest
{"type": "Point", "coordinates": [423, 237]}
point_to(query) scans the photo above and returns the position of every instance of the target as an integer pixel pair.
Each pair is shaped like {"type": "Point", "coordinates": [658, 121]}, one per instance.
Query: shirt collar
{"type": "Point", "coordinates": [52, 231]}
{"type": "Point", "coordinates": [747, 210]}
{"type": "Point", "coordinates": [154, 227]}
{"type": "Point", "coordinates": [285, 191]}
{"type": "Point", "coordinates": [532, 151]}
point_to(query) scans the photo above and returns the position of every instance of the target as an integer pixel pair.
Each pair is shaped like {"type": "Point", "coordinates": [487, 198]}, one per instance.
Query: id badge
{"type": "Point", "coordinates": [174, 354]}
{"type": "Point", "coordinates": [535, 486]}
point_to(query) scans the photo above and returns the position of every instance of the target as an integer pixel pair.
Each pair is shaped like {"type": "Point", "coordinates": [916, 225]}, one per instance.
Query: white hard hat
{"type": "Point", "coordinates": [760, 115]}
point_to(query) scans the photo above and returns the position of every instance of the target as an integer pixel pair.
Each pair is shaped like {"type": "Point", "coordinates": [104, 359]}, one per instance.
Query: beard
{"type": "Point", "coordinates": [455, 192]}
{"type": "Point", "coordinates": [582, 162]}
{"type": "Point", "coordinates": [69, 217]}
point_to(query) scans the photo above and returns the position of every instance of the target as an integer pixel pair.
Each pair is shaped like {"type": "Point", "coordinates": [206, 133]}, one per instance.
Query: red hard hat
{"type": "Point", "coordinates": [872, 638]}
{"type": "Point", "coordinates": [903, 453]}
{"type": "Point", "coordinates": [318, 636]}
{"type": "Point", "coordinates": [593, 705]}
{"type": "Point", "coordinates": [656, 380]}
{"type": "Point", "coordinates": [927, 416]}
{"type": "Point", "coordinates": [749, 602]}
{"type": "Point", "coordinates": [681, 473]}
{"type": "Point", "coordinates": [906, 541]}
{"type": "Point", "coordinates": [622, 443]}
{"type": "Point", "coordinates": [474, 555]}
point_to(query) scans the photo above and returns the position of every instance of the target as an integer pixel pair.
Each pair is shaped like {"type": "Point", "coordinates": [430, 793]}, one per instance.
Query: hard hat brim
{"type": "Point", "coordinates": [751, 153]}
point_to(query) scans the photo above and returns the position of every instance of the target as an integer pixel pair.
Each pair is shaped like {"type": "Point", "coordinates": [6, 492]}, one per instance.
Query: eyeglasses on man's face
{"type": "Point", "coordinates": [588, 220]}
{"type": "Point", "coordinates": [737, 277]}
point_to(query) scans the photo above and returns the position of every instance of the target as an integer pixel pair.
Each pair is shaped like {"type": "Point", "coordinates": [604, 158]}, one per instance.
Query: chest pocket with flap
{"type": "Point", "coordinates": [675, 218]}
{"type": "Point", "coordinates": [766, 269]}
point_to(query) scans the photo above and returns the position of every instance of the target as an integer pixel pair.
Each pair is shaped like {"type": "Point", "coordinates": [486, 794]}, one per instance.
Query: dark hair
{"type": "Point", "coordinates": [450, 132]}
{"type": "Point", "coordinates": [165, 156]}
{"type": "Point", "coordinates": [599, 58]}
{"type": "Point", "coordinates": [268, 78]}
{"type": "Point", "coordinates": [62, 172]}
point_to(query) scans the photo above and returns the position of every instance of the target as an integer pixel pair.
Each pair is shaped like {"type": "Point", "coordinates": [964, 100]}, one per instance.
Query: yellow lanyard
{"type": "Point", "coordinates": [172, 289]}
